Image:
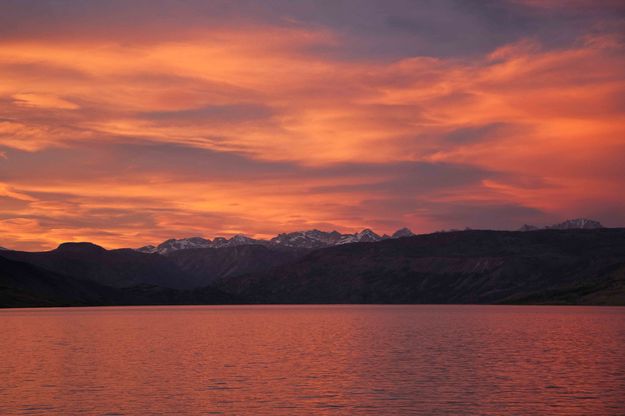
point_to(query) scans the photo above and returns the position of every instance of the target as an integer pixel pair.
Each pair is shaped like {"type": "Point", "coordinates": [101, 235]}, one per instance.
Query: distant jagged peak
{"type": "Point", "coordinates": [187, 240]}
{"type": "Point", "coordinates": [198, 240]}
{"type": "Point", "coordinates": [181, 244]}
{"type": "Point", "coordinates": [364, 236]}
{"type": "Point", "coordinates": [149, 249]}
{"type": "Point", "coordinates": [403, 232]}
{"type": "Point", "coordinates": [234, 241]}
{"type": "Point", "coordinates": [174, 244]}
{"type": "Point", "coordinates": [368, 232]}
{"type": "Point", "coordinates": [309, 239]}
{"type": "Point", "coordinates": [219, 242]}
{"type": "Point", "coordinates": [313, 234]}
{"type": "Point", "coordinates": [241, 239]}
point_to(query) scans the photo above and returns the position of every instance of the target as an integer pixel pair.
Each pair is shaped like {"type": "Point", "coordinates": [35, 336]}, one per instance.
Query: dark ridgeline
{"type": "Point", "coordinates": [568, 266]}
{"type": "Point", "coordinates": [547, 266]}
{"type": "Point", "coordinates": [82, 274]}
{"type": "Point", "coordinates": [26, 285]}
{"type": "Point", "coordinates": [116, 268]}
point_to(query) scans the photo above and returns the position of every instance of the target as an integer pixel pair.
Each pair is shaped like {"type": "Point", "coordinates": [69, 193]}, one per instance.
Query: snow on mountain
{"type": "Point", "coordinates": [365, 236]}
{"type": "Point", "coordinates": [241, 240]}
{"type": "Point", "coordinates": [307, 239]}
{"type": "Point", "coordinates": [311, 239]}
{"type": "Point", "coordinates": [219, 242]}
{"type": "Point", "coordinates": [147, 249]}
{"type": "Point", "coordinates": [319, 239]}
{"type": "Point", "coordinates": [237, 240]}
{"type": "Point", "coordinates": [2, 248]}
{"type": "Point", "coordinates": [173, 245]}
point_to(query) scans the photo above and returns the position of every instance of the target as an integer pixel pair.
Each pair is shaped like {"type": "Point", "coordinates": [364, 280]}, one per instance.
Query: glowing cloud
{"type": "Point", "coordinates": [260, 125]}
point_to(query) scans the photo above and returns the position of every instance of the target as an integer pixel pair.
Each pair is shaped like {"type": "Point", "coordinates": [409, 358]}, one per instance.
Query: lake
{"type": "Point", "coordinates": [313, 360]}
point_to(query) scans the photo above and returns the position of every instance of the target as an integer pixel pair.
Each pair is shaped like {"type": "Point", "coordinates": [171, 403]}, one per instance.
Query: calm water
{"type": "Point", "coordinates": [321, 360]}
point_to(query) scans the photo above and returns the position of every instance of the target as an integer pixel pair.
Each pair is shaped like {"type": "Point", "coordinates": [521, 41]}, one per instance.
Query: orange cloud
{"type": "Point", "coordinates": [540, 128]}
{"type": "Point", "coordinates": [42, 101]}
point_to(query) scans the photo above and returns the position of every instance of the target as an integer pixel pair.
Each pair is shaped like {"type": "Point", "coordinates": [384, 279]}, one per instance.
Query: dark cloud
{"type": "Point", "coordinates": [425, 215]}
{"type": "Point", "coordinates": [388, 28]}
{"type": "Point", "coordinates": [212, 113]}
{"type": "Point", "coordinates": [404, 177]}
{"type": "Point", "coordinates": [97, 219]}
{"type": "Point", "coordinates": [38, 70]}
{"type": "Point", "coordinates": [141, 120]}
{"type": "Point", "coordinates": [473, 134]}
{"type": "Point", "coordinates": [481, 215]}
{"type": "Point", "coordinates": [9, 204]}
{"type": "Point", "coordinates": [135, 161]}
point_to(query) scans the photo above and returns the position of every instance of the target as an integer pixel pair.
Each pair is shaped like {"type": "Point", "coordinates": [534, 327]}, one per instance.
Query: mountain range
{"type": "Point", "coordinates": [312, 239]}
{"type": "Point", "coordinates": [298, 239]}
{"type": "Point", "coordinates": [574, 263]}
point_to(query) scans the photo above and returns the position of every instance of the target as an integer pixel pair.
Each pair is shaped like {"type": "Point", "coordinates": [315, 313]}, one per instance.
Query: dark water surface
{"type": "Point", "coordinates": [313, 360]}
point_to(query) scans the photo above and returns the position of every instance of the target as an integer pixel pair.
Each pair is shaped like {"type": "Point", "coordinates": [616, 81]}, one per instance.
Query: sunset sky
{"type": "Point", "coordinates": [126, 123]}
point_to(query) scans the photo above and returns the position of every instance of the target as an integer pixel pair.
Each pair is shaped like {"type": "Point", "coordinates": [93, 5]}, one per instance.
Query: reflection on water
{"type": "Point", "coordinates": [334, 360]}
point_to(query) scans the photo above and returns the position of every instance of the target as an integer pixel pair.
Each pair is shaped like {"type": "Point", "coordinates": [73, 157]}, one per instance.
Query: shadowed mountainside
{"type": "Point", "coordinates": [206, 265]}
{"type": "Point", "coordinates": [117, 268]}
{"type": "Point", "coordinates": [544, 266]}
{"type": "Point", "coordinates": [609, 291]}
{"type": "Point", "coordinates": [26, 285]}
{"type": "Point", "coordinates": [454, 267]}
{"type": "Point", "coordinates": [23, 284]}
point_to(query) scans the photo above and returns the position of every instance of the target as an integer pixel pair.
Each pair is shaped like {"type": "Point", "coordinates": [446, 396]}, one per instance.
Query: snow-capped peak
{"type": "Point", "coordinates": [182, 244]}
{"type": "Point", "coordinates": [307, 239]}
{"type": "Point", "coordinates": [147, 249]}
{"type": "Point", "coordinates": [364, 236]}
{"type": "Point", "coordinates": [367, 234]}
{"type": "Point", "coordinates": [240, 239]}
{"type": "Point", "coordinates": [173, 244]}
{"type": "Point", "coordinates": [310, 239]}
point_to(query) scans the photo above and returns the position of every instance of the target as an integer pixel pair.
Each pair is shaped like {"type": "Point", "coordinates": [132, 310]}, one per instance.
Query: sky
{"type": "Point", "coordinates": [126, 123]}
